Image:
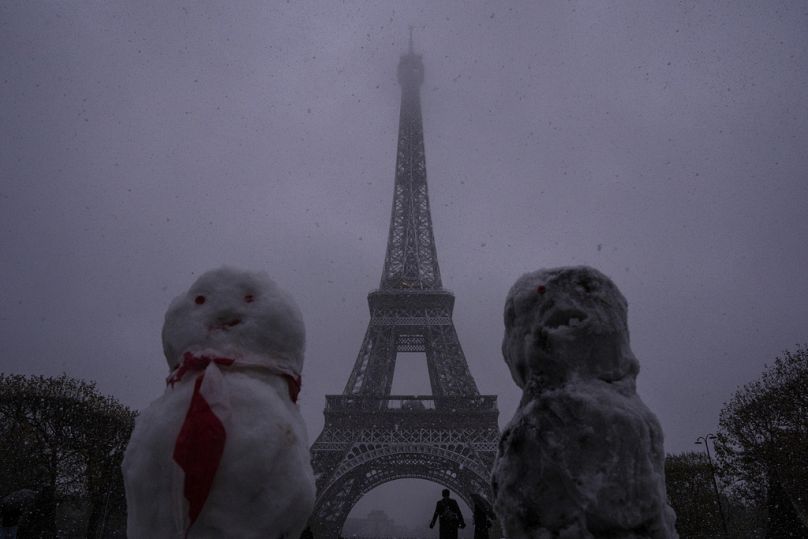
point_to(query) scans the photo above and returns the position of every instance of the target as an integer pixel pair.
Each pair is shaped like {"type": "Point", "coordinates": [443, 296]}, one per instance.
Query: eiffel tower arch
{"type": "Point", "coordinates": [371, 436]}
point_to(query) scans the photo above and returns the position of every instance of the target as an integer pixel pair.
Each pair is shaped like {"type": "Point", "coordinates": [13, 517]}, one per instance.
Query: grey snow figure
{"type": "Point", "coordinates": [583, 456]}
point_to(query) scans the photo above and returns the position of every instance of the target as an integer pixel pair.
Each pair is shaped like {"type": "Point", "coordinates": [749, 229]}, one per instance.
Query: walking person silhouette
{"type": "Point", "coordinates": [483, 514]}
{"type": "Point", "coordinates": [448, 514]}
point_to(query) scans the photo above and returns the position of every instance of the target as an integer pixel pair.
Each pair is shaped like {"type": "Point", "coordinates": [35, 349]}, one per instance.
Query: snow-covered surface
{"type": "Point", "coordinates": [583, 456]}
{"type": "Point", "coordinates": [264, 486]}
{"type": "Point", "coordinates": [270, 321]}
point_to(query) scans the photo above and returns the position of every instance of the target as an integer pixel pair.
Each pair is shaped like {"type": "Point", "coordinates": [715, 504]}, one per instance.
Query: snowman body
{"type": "Point", "coordinates": [262, 483]}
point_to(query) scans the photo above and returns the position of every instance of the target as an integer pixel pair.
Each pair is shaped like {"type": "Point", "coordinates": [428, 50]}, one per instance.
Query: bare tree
{"type": "Point", "coordinates": [762, 444]}
{"type": "Point", "coordinates": [61, 438]}
{"type": "Point", "coordinates": [688, 477]}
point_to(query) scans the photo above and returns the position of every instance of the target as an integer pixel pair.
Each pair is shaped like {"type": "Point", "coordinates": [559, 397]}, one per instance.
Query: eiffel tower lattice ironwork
{"type": "Point", "coordinates": [371, 437]}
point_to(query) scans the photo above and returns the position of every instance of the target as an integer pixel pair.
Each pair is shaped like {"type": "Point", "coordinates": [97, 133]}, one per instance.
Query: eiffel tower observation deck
{"type": "Point", "coordinates": [371, 436]}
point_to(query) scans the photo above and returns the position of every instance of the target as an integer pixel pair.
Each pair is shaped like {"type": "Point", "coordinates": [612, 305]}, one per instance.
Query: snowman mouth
{"type": "Point", "coordinates": [224, 326]}
{"type": "Point", "coordinates": [565, 318]}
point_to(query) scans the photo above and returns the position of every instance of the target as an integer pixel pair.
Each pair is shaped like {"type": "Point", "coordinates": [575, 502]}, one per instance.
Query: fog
{"type": "Point", "coordinates": [142, 143]}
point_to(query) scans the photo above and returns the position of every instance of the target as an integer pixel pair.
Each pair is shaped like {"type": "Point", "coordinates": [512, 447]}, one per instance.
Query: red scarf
{"type": "Point", "coordinates": [200, 443]}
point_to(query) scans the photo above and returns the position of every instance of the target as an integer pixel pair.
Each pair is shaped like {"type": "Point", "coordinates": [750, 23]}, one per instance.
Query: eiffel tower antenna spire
{"type": "Point", "coordinates": [370, 436]}
{"type": "Point", "coordinates": [411, 260]}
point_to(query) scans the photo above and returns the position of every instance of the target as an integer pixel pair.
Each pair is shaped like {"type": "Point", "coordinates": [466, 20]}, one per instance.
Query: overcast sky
{"type": "Point", "coordinates": [142, 143]}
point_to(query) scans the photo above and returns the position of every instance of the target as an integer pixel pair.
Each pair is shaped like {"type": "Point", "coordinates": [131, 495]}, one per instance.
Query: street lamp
{"type": "Point", "coordinates": [705, 439]}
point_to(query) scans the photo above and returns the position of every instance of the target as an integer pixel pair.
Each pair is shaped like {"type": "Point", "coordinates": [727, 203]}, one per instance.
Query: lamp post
{"type": "Point", "coordinates": [705, 439]}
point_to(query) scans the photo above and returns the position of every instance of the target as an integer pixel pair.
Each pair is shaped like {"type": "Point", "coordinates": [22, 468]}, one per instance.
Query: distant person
{"type": "Point", "coordinates": [482, 519]}
{"type": "Point", "coordinates": [447, 512]}
{"type": "Point", "coordinates": [10, 519]}
{"type": "Point", "coordinates": [15, 508]}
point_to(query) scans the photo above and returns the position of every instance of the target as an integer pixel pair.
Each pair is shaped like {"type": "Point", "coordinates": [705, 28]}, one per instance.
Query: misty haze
{"type": "Point", "coordinates": [144, 144]}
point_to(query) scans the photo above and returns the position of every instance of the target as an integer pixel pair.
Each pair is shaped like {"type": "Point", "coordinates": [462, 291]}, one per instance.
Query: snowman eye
{"type": "Point", "coordinates": [199, 300]}
{"type": "Point", "coordinates": [541, 289]}
{"type": "Point", "coordinates": [249, 298]}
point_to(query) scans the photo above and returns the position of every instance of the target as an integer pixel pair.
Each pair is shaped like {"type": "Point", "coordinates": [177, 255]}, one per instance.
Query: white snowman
{"type": "Point", "coordinates": [583, 456]}
{"type": "Point", "coordinates": [224, 451]}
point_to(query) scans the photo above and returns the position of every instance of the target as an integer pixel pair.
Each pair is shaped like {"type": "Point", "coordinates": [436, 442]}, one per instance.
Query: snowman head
{"type": "Point", "coordinates": [238, 314]}
{"type": "Point", "coordinates": [565, 323]}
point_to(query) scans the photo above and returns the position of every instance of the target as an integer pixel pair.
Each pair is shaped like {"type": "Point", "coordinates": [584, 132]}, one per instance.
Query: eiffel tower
{"type": "Point", "coordinates": [370, 436]}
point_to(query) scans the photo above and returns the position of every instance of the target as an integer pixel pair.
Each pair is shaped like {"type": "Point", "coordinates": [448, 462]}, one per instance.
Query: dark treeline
{"type": "Point", "coordinates": [61, 446]}
{"type": "Point", "coordinates": [759, 466]}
